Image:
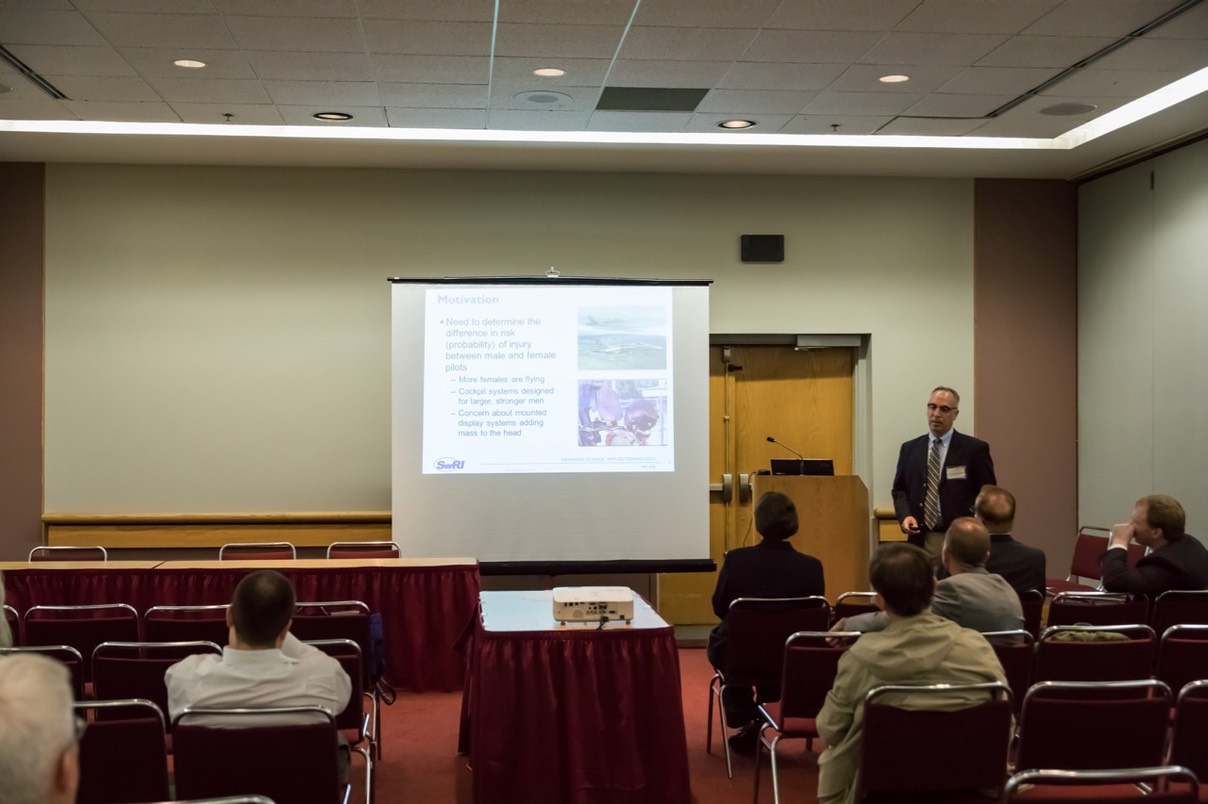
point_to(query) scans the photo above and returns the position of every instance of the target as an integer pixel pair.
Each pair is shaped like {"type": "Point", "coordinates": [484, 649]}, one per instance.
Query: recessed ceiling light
{"type": "Point", "coordinates": [542, 97]}
{"type": "Point", "coordinates": [1068, 109]}
{"type": "Point", "coordinates": [893, 79]}
{"type": "Point", "coordinates": [338, 116]}
{"type": "Point", "coordinates": [549, 72]}
{"type": "Point", "coordinates": [736, 124]}
{"type": "Point", "coordinates": [189, 64]}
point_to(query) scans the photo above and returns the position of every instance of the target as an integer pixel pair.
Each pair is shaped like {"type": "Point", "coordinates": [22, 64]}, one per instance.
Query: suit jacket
{"type": "Point", "coordinates": [956, 494]}
{"type": "Point", "coordinates": [1181, 564]}
{"type": "Point", "coordinates": [974, 599]}
{"type": "Point", "coordinates": [1022, 565]}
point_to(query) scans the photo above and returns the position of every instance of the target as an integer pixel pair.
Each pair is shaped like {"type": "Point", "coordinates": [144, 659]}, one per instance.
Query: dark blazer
{"type": "Point", "coordinates": [956, 495]}
{"type": "Point", "coordinates": [1181, 564]}
{"type": "Point", "coordinates": [1022, 565]}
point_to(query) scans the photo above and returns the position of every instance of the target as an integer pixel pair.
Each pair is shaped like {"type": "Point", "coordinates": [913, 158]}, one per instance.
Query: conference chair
{"type": "Point", "coordinates": [289, 754]}
{"type": "Point", "coordinates": [223, 800]}
{"type": "Point", "coordinates": [1032, 603]}
{"type": "Point", "coordinates": [931, 752]}
{"type": "Point", "coordinates": [13, 618]}
{"type": "Point", "coordinates": [850, 604]}
{"type": "Point", "coordinates": [810, 664]}
{"type": "Point", "coordinates": [354, 722]}
{"type": "Point", "coordinates": [363, 550]}
{"type": "Point", "coordinates": [257, 551]}
{"type": "Point", "coordinates": [1179, 607]}
{"type": "Point", "coordinates": [136, 669]}
{"type": "Point", "coordinates": [47, 553]}
{"type": "Point", "coordinates": [66, 654]}
{"type": "Point", "coordinates": [1098, 608]}
{"type": "Point", "coordinates": [757, 629]}
{"type": "Point", "coordinates": [1189, 743]}
{"type": "Point", "coordinates": [123, 753]}
{"type": "Point", "coordinates": [1088, 547]}
{"type": "Point", "coordinates": [1095, 653]}
{"type": "Point", "coordinates": [187, 624]}
{"type": "Point", "coordinates": [82, 627]}
{"type": "Point", "coordinates": [1167, 784]}
{"type": "Point", "coordinates": [1183, 655]}
{"type": "Point", "coordinates": [1016, 651]}
{"type": "Point", "coordinates": [1088, 725]}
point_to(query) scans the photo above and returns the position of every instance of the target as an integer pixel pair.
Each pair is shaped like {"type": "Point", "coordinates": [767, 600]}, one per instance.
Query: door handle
{"type": "Point", "coordinates": [727, 487]}
{"type": "Point", "coordinates": [744, 487]}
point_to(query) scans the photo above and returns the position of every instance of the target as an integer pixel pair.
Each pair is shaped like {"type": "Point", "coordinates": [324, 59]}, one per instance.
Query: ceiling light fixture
{"type": "Point", "coordinates": [736, 124]}
{"type": "Point", "coordinates": [549, 72]}
{"type": "Point", "coordinates": [189, 64]}
{"type": "Point", "coordinates": [332, 116]}
{"type": "Point", "coordinates": [894, 79]}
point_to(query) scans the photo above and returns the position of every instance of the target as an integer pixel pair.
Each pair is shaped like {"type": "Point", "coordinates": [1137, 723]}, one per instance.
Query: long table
{"type": "Point", "coordinates": [426, 604]}
{"type": "Point", "coordinates": [572, 715]}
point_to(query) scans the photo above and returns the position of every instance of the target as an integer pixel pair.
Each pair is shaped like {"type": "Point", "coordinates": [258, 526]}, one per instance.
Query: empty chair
{"type": "Point", "coordinates": [63, 653]}
{"type": "Point", "coordinates": [13, 618]}
{"type": "Point", "coordinates": [810, 664]}
{"type": "Point", "coordinates": [1016, 653]}
{"type": "Point", "coordinates": [1086, 725]}
{"type": "Point", "coordinates": [849, 604]}
{"type": "Point", "coordinates": [81, 627]}
{"type": "Point", "coordinates": [1090, 544]}
{"type": "Point", "coordinates": [1098, 608]}
{"type": "Point", "coordinates": [1179, 607]}
{"type": "Point", "coordinates": [186, 624]}
{"type": "Point", "coordinates": [257, 551]}
{"type": "Point", "coordinates": [930, 753]}
{"type": "Point", "coordinates": [363, 550]}
{"type": "Point", "coordinates": [254, 752]}
{"type": "Point", "coordinates": [136, 669]}
{"type": "Point", "coordinates": [1095, 653]}
{"type": "Point", "coordinates": [1183, 655]}
{"type": "Point", "coordinates": [1169, 784]}
{"type": "Point", "coordinates": [1189, 745]}
{"type": "Point", "coordinates": [757, 629]}
{"type": "Point", "coordinates": [354, 722]}
{"type": "Point", "coordinates": [47, 553]}
{"type": "Point", "coordinates": [1032, 603]}
{"type": "Point", "coordinates": [123, 753]}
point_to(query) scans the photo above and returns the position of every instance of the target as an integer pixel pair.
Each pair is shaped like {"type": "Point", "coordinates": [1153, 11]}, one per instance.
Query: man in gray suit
{"type": "Point", "coordinates": [971, 596]}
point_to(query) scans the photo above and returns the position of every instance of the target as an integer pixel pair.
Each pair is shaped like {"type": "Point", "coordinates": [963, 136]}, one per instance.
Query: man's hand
{"type": "Point", "coordinates": [910, 526]}
{"type": "Point", "coordinates": [1122, 534]}
{"type": "Point", "coordinates": [840, 625]}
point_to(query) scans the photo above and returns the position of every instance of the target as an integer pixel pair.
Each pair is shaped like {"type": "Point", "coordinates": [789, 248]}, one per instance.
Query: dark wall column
{"type": "Point", "coordinates": [1025, 351]}
{"type": "Point", "coordinates": [22, 252]}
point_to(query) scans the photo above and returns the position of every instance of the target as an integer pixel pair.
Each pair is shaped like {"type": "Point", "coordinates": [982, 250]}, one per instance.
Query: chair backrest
{"type": "Point", "coordinates": [363, 550]}
{"type": "Point", "coordinates": [257, 551]}
{"type": "Point", "coordinates": [1179, 607]}
{"type": "Point", "coordinates": [757, 629]}
{"type": "Point", "coordinates": [295, 762]}
{"type": "Point", "coordinates": [82, 627]}
{"type": "Point", "coordinates": [1098, 608]}
{"type": "Point", "coordinates": [13, 618]}
{"type": "Point", "coordinates": [810, 665]}
{"type": "Point", "coordinates": [1089, 545]}
{"type": "Point", "coordinates": [335, 619]}
{"type": "Point", "coordinates": [850, 604]}
{"type": "Point", "coordinates": [1167, 784]}
{"type": "Point", "coordinates": [123, 755]}
{"type": "Point", "coordinates": [1183, 655]}
{"type": "Point", "coordinates": [1093, 725]}
{"type": "Point", "coordinates": [1093, 653]}
{"type": "Point", "coordinates": [48, 553]}
{"type": "Point", "coordinates": [1016, 653]}
{"type": "Point", "coordinates": [186, 624]}
{"type": "Point", "coordinates": [62, 653]}
{"type": "Point", "coordinates": [348, 654]}
{"type": "Point", "coordinates": [1190, 736]}
{"type": "Point", "coordinates": [910, 751]}
{"type": "Point", "coordinates": [1032, 603]}
{"type": "Point", "coordinates": [136, 669]}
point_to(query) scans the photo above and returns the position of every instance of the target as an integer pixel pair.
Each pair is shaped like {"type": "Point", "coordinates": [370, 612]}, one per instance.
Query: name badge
{"type": "Point", "coordinates": [955, 473]}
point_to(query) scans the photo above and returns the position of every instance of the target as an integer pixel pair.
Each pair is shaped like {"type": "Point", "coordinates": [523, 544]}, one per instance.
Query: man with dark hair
{"type": "Point", "coordinates": [771, 568]}
{"type": "Point", "coordinates": [939, 474]}
{"type": "Point", "coordinates": [1022, 565]}
{"type": "Point", "coordinates": [1175, 561]}
{"type": "Point", "coordinates": [916, 647]}
{"type": "Point", "coordinates": [264, 665]}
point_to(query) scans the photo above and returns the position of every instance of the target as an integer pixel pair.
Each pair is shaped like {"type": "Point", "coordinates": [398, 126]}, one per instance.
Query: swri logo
{"type": "Point", "coordinates": [449, 465]}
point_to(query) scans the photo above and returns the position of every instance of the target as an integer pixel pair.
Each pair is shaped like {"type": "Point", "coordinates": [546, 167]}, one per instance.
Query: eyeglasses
{"type": "Point", "coordinates": [931, 406]}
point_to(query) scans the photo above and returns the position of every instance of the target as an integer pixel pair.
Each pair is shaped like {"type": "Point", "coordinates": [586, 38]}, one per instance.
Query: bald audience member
{"type": "Point", "coordinates": [1022, 565]}
{"type": "Point", "coordinates": [970, 596]}
{"type": "Point", "coordinates": [39, 742]}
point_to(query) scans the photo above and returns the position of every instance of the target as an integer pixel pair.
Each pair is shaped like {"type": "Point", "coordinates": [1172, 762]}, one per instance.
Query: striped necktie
{"type": "Point", "coordinates": [931, 503]}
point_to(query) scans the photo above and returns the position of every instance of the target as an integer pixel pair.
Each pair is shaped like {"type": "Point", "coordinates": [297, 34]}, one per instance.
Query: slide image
{"type": "Point", "coordinates": [632, 338]}
{"type": "Point", "coordinates": [622, 413]}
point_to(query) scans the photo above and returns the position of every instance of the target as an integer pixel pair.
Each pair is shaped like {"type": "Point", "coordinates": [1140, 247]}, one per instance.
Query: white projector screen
{"type": "Point", "coordinates": [551, 420]}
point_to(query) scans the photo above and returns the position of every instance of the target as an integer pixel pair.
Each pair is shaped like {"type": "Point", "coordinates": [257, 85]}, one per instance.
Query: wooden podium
{"type": "Point", "coordinates": [834, 525]}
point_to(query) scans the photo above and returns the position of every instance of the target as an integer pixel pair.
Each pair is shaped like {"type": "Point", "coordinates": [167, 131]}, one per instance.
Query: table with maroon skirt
{"type": "Point", "coordinates": [555, 714]}
{"type": "Point", "coordinates": [426, 604]}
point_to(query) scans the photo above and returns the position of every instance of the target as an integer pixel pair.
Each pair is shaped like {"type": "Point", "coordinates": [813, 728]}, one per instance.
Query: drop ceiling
{"type": "Point", "coordinates": [422, 68]}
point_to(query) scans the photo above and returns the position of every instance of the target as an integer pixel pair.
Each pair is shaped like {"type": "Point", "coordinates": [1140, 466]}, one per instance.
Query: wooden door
{"type": "Point", "coordinates": [805, 399]}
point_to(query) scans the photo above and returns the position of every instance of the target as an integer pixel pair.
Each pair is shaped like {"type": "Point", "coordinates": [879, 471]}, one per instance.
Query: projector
{"type": "Point", "coordinates": [590, 604]}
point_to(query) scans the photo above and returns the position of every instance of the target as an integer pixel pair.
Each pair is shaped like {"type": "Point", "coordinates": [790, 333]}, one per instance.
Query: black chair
{"type": "Point", "coordinates": [354, 722]}
{"type": "Point", "coordinates": [363, 550]}
{"type": "Point", "coordinates": [1168, 784]}
{"type": "Point", "coordinates": [1032, 603]}
{"type": "Point", "coordinates": [1179, 607]}
{"type": "Point", "coordinates": [850, 604]}
{"type": "Point", "coordinates": [1098, 608]}
{"type": "Point", "coordinates": [13, 618]}
{"type": "Point", "coordinates": [187, 624]}
{"type": "Point", "coordinates": [1101, 657]}
{"type": "Point", "coordinates": [1183, 655]}
{"type": "Point", "coordinates": [123, 753]}
{"type": "Point", "coordinates": [257, 551]}
{"type": "Point", "coordinates": [81, 627]}
{"type": "Point", "coordinates": [136, 669]}
{"type": "Point", "coordinates": [1017, 654]}
{"type": "Point", "coordinates": [48, 553]}
{"type": "Point", "coordinates": [1189, 741]}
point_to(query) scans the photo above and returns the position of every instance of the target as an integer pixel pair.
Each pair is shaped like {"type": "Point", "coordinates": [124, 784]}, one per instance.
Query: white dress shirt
{"type": "Point", "coordinates": [294, 675]}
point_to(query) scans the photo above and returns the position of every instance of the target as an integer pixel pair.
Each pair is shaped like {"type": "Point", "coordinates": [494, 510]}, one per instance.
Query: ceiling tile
{"type": "Point", "coordinates": [123, 112]}
{"type": "Point", "coordinates": [1112, 83]}
{"type": "Point", "coordinates": [661, 122]}
{"type": "Point", "coordinates": [186, 31]}
{"type": "Point", "coordinates": [583, 41]}
{"type": "Point", "coordinates": [579, 72]}
{"type": "Point", "coordinates": [978, 106]}
{"type": "Point", "coordinates": [209, 90]}
{"type": "Point", "coordinates": [20, 88]}
{"type": "Point", "coordinates": [705, 123]}
{"type": "Point", "coordinates": [461, 11]}
{"type": "Point", "coordinates": [696, 74]}
{"type": "Point", "coordinates": [810, 47]}
{"type": "Point", "coordinates": [843, 15]}
{"type": "Point", "coordinates": [1098, 17]}
{"type": "Point", "coordinates": [242, 114]}
{"type": "Point", "coordinates": [925, 48]}
{"type": "Point", "coordinates": [1043, 51]}
{"type": "Point", "coordinates": [789, 77]}
{"type": "Point", "coordinates": [297, 33]}
{"type": "Point", "coordinates": [567, 99]}
{"type": "Point", "coordinates": [1025, 120]}
{"type": "Point", "coordinates": [923, 127]}
{"type": "Point", "coordinates": [861, 103]}
{"type": "Point", "coordinates": [706, 13]}
{"type": "Point", "coordinates": [567, 12]}
{"type": "Point", "coordinates": [434, 96]}
{"type": "Point", "coordinates": [288, 8]}
{"type": "Point", "coordinates": [1192, 24]}
{"type": "Point", "coordinates": [1158, 54]}
{"type": "Point", "coordinates": [923, 77]}
{"type": "Point", "coordinates": [963, 16]}
{"type": "Point", "coordinates": [363, 116]}
{"type": "Point", "coordinates": [824, 124]}
{"type": "Point", "coordinates": [420, 38]}
{"type": "Point", "coordinates": [152, 62]}
{"type": "Point", "coordinates": [37, 5]}
{"type": "Point", "coordinates": [20, 27]}
{"type": "Point", "coordinates": [323, 93]}
{"type": "Point", "coordinates": [432, 69]}
{"type": "Point", "coordinates": [742, 102]}
{"type": "Point", "coordinates": [34, 109]}
{"type": "Point", "coordinates": [277, 64]}
{"type": "Point", "coordinates": [78, 60]}
{"type": "Point", "coordinates": [104, 88]}
{"type": "Point", "coordinates": [436, 118]}
{"type": "Point", "coordinates": [512, 120]}
{"type": "Point", "coordinates": [997, 80]}
{"type": "Point", "coordinates": [690, 44]}
{"type": "Point", "coordinates": [147, 6]}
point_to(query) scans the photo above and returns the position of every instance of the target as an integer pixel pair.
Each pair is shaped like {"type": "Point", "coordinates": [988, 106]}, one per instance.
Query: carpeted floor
{"type": "Point", "coordinates": [420, 764]}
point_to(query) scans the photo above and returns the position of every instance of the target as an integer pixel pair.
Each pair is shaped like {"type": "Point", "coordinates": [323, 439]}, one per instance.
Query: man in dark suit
{"type": "Point", "coordinates": [1175, 561]}
{"type": "Point", "coordinates": [939, 475]}
{"type": "Point", "coordinates": [771, 568]}
{"type": "Point", "coordinates": [1023, 566]}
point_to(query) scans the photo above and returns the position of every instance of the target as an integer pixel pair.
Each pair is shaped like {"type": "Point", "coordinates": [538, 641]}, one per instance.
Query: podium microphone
{"type": "Point", "coordinates": [786, 446]}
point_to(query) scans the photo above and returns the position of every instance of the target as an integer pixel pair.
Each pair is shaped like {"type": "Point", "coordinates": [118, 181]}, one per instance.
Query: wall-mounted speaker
{"type": "Point", "coordinates": [762, 247]}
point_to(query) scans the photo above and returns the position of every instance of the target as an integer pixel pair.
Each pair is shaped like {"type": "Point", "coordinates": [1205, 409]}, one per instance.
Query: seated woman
{"type": "Point", "coordinates": [771, 568]}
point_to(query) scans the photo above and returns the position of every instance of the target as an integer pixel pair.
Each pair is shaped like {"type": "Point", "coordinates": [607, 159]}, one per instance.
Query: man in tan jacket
{"type": "Point", "coordinates": [916, 647]}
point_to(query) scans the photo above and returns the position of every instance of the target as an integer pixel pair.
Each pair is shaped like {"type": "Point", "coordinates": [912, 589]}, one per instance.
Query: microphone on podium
{"type": "Point", "coordinates": [786, 446]}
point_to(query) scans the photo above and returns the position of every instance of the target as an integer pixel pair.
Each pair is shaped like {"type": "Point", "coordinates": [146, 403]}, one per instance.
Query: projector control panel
{"type": "Point", "coordinates": [592, 604]}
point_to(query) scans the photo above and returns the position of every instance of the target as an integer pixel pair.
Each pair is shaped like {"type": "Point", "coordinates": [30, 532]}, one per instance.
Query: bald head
{"type": "Point", "coordinates": [995, 507]}
{"type": "Point", "coordinates": [967, 543]}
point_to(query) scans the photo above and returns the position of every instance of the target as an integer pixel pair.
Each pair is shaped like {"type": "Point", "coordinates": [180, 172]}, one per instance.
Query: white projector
{"type": "Point", "coordinates": [592, 604]}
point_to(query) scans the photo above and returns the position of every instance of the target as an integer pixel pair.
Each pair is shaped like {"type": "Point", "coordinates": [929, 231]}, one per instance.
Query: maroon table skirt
{"type": "Point", "coordinates": [424, 609]}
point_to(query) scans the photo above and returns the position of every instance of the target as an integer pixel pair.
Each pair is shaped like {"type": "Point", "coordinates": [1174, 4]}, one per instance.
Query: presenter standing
{"type": "Point", "coordinates": [939, 475]}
